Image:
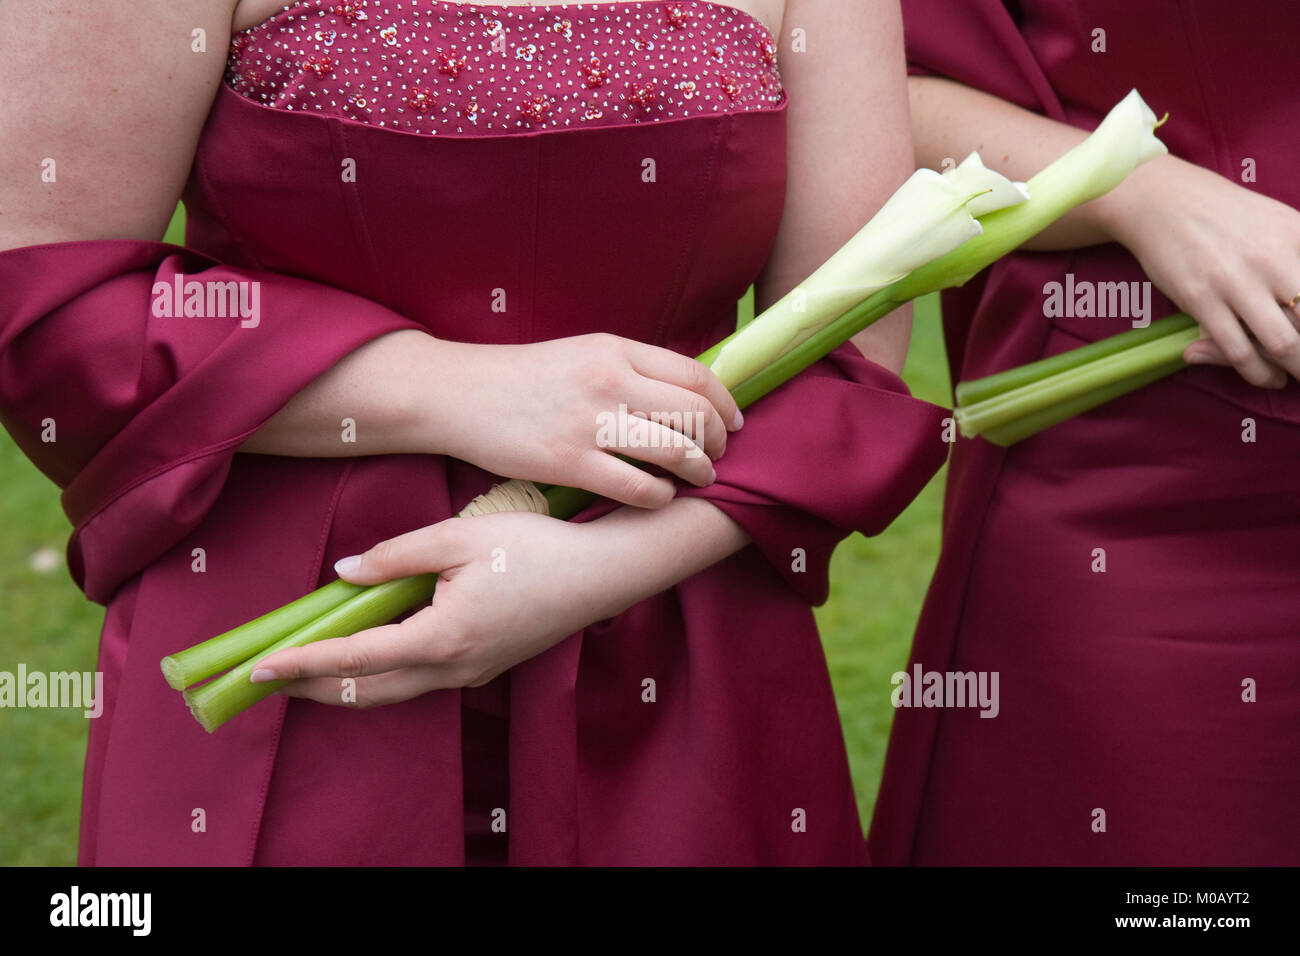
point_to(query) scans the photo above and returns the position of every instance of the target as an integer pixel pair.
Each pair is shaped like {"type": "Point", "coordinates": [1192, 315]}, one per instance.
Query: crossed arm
{"type": "Point", "coordinates": [123, 141]}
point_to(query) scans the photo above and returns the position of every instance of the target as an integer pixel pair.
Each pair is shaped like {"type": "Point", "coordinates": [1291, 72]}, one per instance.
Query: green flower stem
{"type": "Point", "coordinates": [1035, 422]}
{"type": "Point", "coordinates": [564, 502]}
{"type": "Point", "coordinates": [220, 699]}
{"type": "Point", "coordinates": [819, 345]}
{"type": "Point", "coordinates": [201, 661]}
{"type": "Point", "coordinates": [194, 664]}
{"type": "Point", "coordinates": [980, 389]}
{"type": "Point", "coordinates": [1004, 230]}
{"type": "Point", "coordinates": [1012, 415]}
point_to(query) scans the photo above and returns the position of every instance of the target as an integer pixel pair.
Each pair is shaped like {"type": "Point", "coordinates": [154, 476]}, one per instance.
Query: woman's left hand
{"type": "Point", "coordinates": [510, 586]}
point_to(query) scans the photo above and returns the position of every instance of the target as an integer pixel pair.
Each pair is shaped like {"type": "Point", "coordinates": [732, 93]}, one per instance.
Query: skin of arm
{"type": "Point", "coordinates": [849, 147]}
{"type": "Point", "coordinates": [1225, 254]}
{"type": "Point", "coordinates": [844, 164]}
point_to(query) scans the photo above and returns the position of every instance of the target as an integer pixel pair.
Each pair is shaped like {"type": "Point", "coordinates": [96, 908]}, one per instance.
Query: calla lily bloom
{"type": "Point", "coordinates": [926, 218]}
{"type": "Point", "coordinates": [973, 176]}
{"type": "Point", "coordinates": [1124, 140]}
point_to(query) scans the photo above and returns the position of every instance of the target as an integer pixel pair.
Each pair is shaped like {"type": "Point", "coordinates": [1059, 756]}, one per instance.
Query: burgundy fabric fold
{"type": "Point", "coordinates": [977, 43]}
{"type": "Point", "coordinates": [149, 410]}
{"type": "Point", "coordinates": [840, 448]}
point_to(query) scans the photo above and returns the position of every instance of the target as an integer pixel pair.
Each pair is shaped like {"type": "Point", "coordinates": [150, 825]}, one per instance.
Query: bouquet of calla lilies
{"type": "Point", "coordinates": [937, 231]}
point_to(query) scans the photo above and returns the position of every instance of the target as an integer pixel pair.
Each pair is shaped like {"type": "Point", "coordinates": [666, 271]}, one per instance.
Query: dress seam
{"type": "Point", "coordinates": [209, 196]}
{"type": "Point", "coordinates": [352, 203]}
{"type": "Point", "coordinates": [313, 576]}
{"type": "Point", "coordinates": [705, 197]}
{"type": "Point", "coordinates": [527, 322]}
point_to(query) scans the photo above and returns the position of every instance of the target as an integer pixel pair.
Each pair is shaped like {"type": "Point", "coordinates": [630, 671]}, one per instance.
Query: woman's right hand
{"type": "Point", "coordinates": [1226, 255]}
{"type": "Point", "coordinates": [554, 412]}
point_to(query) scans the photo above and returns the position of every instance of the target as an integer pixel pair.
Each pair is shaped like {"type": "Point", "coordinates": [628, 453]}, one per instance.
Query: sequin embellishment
{"type": "Point", "coordinates": [449, 67]}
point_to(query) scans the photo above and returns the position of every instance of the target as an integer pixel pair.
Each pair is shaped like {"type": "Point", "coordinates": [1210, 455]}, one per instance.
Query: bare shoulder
{"type": "Point", "coordinates": [101, 106]}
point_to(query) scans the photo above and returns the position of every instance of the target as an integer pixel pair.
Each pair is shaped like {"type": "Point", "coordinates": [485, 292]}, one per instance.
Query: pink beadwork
{"type": "Point", "coordinates": [594, 74]}
{"type": "Point", "coordinates": [421, 99]}
{"type": "Point", "coordinates": [322, 66]}
{"type": "Point", "coordinates": [536, 108]}
{"type": "Point", "coordinates": [450, 64]}
{"type": "Point", "coordinates": [448, 67]}
{"type": "Point", "coordinates": [642, 95]}
{"type": "Point", "coordinates": [351, 12]}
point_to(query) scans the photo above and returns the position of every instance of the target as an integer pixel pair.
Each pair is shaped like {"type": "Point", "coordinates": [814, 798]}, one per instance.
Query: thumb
{"type": "Point", "coordinates": [432, 549]}
{"type": "Point", "coordinates": [1204, 352]}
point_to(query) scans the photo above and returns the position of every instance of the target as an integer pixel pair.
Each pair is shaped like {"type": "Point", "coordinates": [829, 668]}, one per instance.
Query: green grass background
{"type": "Point", "coordinates": [877, 585]}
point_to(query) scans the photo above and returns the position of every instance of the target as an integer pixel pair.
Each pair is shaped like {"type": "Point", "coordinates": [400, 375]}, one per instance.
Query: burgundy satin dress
{"type": "Point", "coordinates": [384, 165]}
{"type": "Point", "coordinates": [1123, 691]}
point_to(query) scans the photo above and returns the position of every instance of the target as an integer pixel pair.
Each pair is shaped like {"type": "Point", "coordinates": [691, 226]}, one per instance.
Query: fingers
{"type": "Point", "coordinates": [1271, 325]}
{"type": "Point", "coordinates": [668, 366]}
{"type": "Point", "coordinates": [375, 690]}
{"type": "Point", "coordinates": [374, 651]}
{"type": "Point", "coordinates": [683, 411]}
{"type": "Point", "coordinates": [423, 551]}
{"type": "Point", "coordinates": [1204, 352]}
{"type": "Point", "coordinates": [1233, 345]}
{"type": "Point", "coordinates": [660, 445]}
{"type": "Point", "coordinates": [611, 478]}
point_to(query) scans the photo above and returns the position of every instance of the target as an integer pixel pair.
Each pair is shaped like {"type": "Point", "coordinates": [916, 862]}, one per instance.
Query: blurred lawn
{"type": "Point", "coordinates": [876, 590]}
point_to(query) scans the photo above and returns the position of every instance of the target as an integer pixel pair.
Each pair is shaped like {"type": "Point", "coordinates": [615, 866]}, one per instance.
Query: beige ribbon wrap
{"type": "Point", "coordinates": [512, 495]}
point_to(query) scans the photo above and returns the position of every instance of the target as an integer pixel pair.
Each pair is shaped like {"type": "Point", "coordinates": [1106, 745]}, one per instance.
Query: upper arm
{"type": "Point", "coordinates": [849, 141]}
{"type": "Point", "coordinates": [101, 105]}
{"type": "Point", "coordinates": [849, 133]}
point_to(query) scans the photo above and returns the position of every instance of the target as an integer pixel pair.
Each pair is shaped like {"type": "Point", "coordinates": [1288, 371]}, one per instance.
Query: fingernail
{"type": "Point", "coordinates": [713, 476]}
{"type": "Point", "coordinates": [347, 565]}
{"type": "Point", "coordinates": [262, 675]}
{"type": "Point", "coordinates": [737, 421]}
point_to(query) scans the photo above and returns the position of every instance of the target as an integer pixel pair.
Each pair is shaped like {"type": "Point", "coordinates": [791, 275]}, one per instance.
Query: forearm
{"type": "Point", "coordinates": [655, 550]}
{"type": "Point", "coordinates": [949, 120]}
{"type": "Point", "coordinates": [382, 398]}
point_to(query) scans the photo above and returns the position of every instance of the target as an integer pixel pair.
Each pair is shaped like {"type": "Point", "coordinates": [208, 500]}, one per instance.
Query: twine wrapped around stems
{"type": "Point", "coordinates": [512, 495]}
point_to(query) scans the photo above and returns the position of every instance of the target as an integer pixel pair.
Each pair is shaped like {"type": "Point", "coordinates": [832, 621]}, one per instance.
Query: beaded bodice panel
{"type": "Point", "coordinates": [455, 68]}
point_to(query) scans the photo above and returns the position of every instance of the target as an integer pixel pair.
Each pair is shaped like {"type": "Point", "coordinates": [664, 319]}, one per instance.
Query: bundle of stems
{"type": "Point", "coordinates": [922, 240]}
{"type": "Point", "coordinates": [1020, 402]}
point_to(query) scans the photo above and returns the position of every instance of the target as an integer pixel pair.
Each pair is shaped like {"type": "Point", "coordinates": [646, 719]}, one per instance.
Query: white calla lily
{"type": "Point", "coordinates": [1124, 140]}
{"type": "Point", "coordinates": [925, 219]}
{"type": "Point", "coordinates": [973, 176]}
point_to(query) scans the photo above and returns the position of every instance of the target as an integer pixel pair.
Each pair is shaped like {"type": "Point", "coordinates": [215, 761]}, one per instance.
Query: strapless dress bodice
{"type": "Point", "coordinates": [620, 167]}
{"type": "Point", "coordinates": [471, 69]}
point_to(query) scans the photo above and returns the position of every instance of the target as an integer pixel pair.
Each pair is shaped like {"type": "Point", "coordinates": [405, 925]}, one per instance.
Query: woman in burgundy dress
{"type": "Point", "coordinates": [1131, 574]}
{"type": "Point", "coordinates": [458, 234]}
